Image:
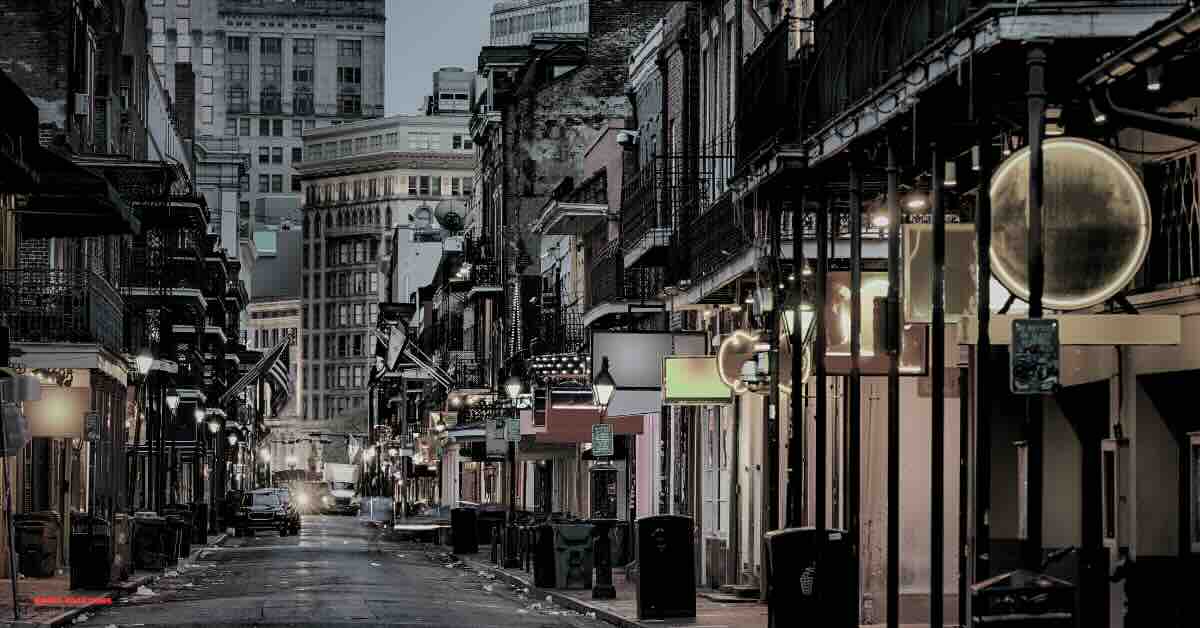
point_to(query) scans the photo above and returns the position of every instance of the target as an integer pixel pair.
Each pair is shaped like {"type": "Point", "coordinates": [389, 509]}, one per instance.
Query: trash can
{"type": "Point", "coordinates": [489, 518]}
{"type": "Point", "coordinates": [122, 544]}
{"type": "Point", "coordinates": [38, 534]}
{"type": "Point", "coordinates": [153, 547]}
{"type": "Point", "coordinates": [804, 580]}
{"type": "Point", "coordinates": [180, 534]}
{"type": "Point", "coordinates": [573, 557]}
{"type": "Point", "coordinates": [666, 585]}
{"type": "Point", "coordinates": [200, 523]}
{"type": "Point", "coordinates": [91, 552]}
{"type": "Point", "coordinates": [1023, 599]}
{"type": "Point", "coordinates": [544, 560]}
{"type": "Point", "coordinates": [462, 531]}
{"type": "Point", "coordinates": [183, 519]}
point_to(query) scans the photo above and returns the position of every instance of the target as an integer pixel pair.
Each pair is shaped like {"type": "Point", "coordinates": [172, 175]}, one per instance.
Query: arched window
{"type": "Point", "coordinates": [387, 216]}
{"type": "Point", "coordinates": [377, 215]}
{"type": "Point", "coordinates": [329, 220]}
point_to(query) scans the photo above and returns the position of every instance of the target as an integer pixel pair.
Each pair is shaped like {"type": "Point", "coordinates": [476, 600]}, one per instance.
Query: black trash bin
{"type": "Point", "coordinates": [573, 555]}
{"type": "Point", "coordinates": [489, 521]}
{"type": "Point", "coordinates": [462, 531]}
{"type": "Point", "coordinates": [666, 585]}
{"type": "Point", "coordinates": [200, 523]}
{"type": "Point", "coordinates": [91, 552]}
{"type": "Point", "coordinates": [543, 556]}
{"type": "Point", "coordinates": [184, 519]}
{"type": "Point", "coordinates": [37, 535]}
{"type": "Point", "coordinates": [180, 534]}
{"type": "Point", "coordinates": [806, 581]}
{"type": "Point", "coordinates": [153, 547]}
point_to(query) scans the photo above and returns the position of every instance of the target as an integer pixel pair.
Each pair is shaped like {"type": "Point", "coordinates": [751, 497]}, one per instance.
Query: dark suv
{"type": "Point", "coordinates": [261, 510]}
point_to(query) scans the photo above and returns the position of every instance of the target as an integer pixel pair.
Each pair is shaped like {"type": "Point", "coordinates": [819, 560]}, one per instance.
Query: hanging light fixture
{"type": "Point", "coordinates": [513, 386]}
{"type": "Point", "coordinates": [172, 399]}
{"type": "Point", "coordinates": [265, 454]}
{"type": "Point", "coordinates": [1154, 78]}
{"type": "Point", "coordinates": [232, 437]}
{"type": "Point", "coordinates": [198, 413]}
{"type": "Point", "coordinates": [144, 361]}
{"type": "Point", "coordinates": [214, 426]}
{"type": "Point", "coordinates": [951, 178]}
{"type": "Point", "coordinates": [603, 386]}
{"type": "Point", "coordinates": [1098, 115]}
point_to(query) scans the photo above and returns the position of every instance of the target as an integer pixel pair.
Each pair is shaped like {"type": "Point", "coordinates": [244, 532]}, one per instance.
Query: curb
{"type": "Point", "coordinates": [558, 598]}
{"type": "Point", "coordinates": [66, 617]}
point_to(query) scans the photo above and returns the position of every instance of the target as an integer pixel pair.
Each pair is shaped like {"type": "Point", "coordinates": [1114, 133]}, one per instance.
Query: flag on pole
{"type": "Point", "coordinates": [280, 381]}
{"type": "Point", "coordinates": [263, 369]}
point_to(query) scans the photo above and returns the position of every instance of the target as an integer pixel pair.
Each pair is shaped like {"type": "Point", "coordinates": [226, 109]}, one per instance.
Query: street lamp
{"type": "Point", "coordinates": [513, 386]}
{"type": "Point", "coordinates": [265, 454]}
{"type": "Point", "coordinates": [803, 311]}
{"type": "Point", "coordinates": [199, 414]}
{"type": "Point", "coordinates": [232, 438]}
{"type": "Point", "coordinates": [172, 399]}
{"type": "Point", "coordinates": [214, 426]}
{"type": "Point", "coordinates": [603, 388]}
{"type": "Point", "coordinates": [144, 361]}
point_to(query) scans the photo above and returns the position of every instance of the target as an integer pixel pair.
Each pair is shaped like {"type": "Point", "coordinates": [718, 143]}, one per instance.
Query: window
{"type": "Point", "coordinates": [423, 141]}
{"type": "Point", "coordinates": [158, 54]}
{"type": "Point", "coordinates": [376, 142]}
{"type": "Point", "coordinates": [391, 140]}
{"type": "Point", "coordinates": [158, 25]}
{"type": "Point", "coordinates": [349, 48]}
{"type": "Point", "coordinates": [276, 183]}
{"type": "Point", "coordinates": [310, 124]}
{"type": "Point", "coordinates": [351, 75]}
{"type": "Point", "coordinates": [237, 100]}
{"type": "Point", "coordinates": [373, 188]}
{"type": "Point", "coordinates": [277, 128]}
{"type": "Point", "coordinates": [271, 73]}
{"type": "Point", "coordinates": [374, 282]}
{"type": "Point", "coordinates": [360, 145]}
{"type": "Point", "coordinates": [264, 127]}
{"type": "Point", "coordinates": [302, 103]}
{"type": "Point", "coordinates": [424, 186]}
{"type": "Point", "coordinates": [343, 192]}
{"type": "Point", "coordinates": [302, 74]}
{"type": "Point", "coordinates": [437, 186]}
{"type": "Point", "coordinates": [349, 104]}
{"type": "Point", "coordinates": [206, 114]}
{"type": "Point", "coordinates": [462, 142]}
{"type": "Point", "coordinates": [302, 46]}
{"type": "Point", "coordinates": [206, 55]}
{"type": "Point", "coordinates": [157, 3]}
{"type": "Point", "coordinates": [358, 313]}
{"type": "Point", "coordinates": [345, 147]}
{"type": "Point", "coordinates": [412, 186]}
{"type": "Point", "coordinates": [238, 45]}
{"type": "Point", "coordinates": [206, 85]}
{"type": "Point", "coordinates": [297, 128]}
{"type": "Point", "coordinates": [182, 3]}
{"type": "Point", "coordinates": [270, 45]}
{"type": "Point", "coordinates": [264, 155]}
{"type": "Point", "coordinates": [297, 153]}
{"type": "Point", "coordinates": [454, 189]}
{"type": "Point", "coordinates": [270, 102]}
{"type": "Point", "coordinates": [183, 25]}
{"type": "Point", "coordinates": [295, 184]}
{"type": "Point", "coordinates": [238, 73]}
{"type": "Point", "coordinates": [358, 370]}
{"type": "Point", "coordinates": [183, 54]}
{"type": "Point", "coordinates": [244, 127]}
{"type": "Point", "coordinates": [358, 190]}
{"type": "Point", "coordinates": [264, 183]}
{"type": "Point", "coordinates": [387, 186]}
{"type": "Point", "coordinates": [277, 155]}
{"type": "Point", "coordinates": [231, 126]}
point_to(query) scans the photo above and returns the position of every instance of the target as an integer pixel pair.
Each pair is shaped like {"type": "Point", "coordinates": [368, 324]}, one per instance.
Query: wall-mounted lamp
{"type": "Point", "coordinates": [1154, 78]}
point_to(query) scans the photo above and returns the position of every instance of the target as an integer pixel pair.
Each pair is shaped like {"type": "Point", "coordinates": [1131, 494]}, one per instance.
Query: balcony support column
{"type": "Point", "coordinates": [937, 372]}
{"type": "Point", "coordinates": [853, 426]}
{"type": "Point", "coordinates": [1036, 99]}
{"type": "Point", "coordinates": [893, 389]}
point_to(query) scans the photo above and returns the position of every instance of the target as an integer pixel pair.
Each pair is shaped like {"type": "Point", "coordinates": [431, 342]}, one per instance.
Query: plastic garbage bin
{"type": "Point", "coordinates": [152, 544]}
{"type": "Point", "coordinates": [122, 539]}
{"type": "Point", "coordinates": [666, 585]}
{"type": "Point", "coordinates": [91, 552]}
{"type": "Point", "coordinates": [462, 531]}
{"type": "Point", "coordinates": [38, 535]}
{"type": "Point", "coordinates": [573, 556]}
{"type": "Point", "coordinates": [805, 580]}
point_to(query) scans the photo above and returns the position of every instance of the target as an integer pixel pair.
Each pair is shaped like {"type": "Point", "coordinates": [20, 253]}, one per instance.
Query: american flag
{"type": "Point", "coordinates": [273, 368]}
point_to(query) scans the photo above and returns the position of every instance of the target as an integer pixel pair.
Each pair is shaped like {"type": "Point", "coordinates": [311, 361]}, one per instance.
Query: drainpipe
{"type": "Point", "coordinates": [1146, 121]}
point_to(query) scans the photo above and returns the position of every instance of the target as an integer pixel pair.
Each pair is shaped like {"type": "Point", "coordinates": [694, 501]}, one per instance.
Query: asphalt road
{"type": "Point", "coordinates": [332, 574]}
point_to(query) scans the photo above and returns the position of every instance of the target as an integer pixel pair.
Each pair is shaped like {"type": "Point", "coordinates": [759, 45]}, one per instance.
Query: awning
{"type": "Point", "coordinates": [574, 425]}
{"type": "Point", "coordinates": [628, 403]}
{"type": "Point", "coordinates": [71, 201]}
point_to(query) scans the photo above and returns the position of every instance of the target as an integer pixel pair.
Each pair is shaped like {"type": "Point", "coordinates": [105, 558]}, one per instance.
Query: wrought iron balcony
{"type": "Point", "coordinates": [1174, 254]}
{"type": "Point", "coordinates": [468, 372]}
{"type": "Point", "coordinates": [61, 306]}
{"type": "Point", "coordinates": [672, 188]}
{"type": "Point", "coordinates": [611, 282]}
{"type": "Point", "coordinates": [769, 90]}
{"type": "Point", "coordinates": [719, 234]}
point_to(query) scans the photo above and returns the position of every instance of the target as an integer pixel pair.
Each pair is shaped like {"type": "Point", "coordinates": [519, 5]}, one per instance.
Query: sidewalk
{"type": "Point", "coordinates": [713, 610]}
{"type": "Point", "coordinates": [61, 611]}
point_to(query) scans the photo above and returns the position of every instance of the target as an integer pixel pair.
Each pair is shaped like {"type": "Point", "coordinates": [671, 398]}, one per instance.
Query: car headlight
{"type": "Point", "coordinates": [328, 499]}
{"type": "Point", "coordinates": [302, 500]}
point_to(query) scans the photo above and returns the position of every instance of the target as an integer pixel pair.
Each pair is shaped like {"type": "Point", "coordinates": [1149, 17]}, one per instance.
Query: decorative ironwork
{"type": "Point", "coordinates": [61, 306]}
{"type": "Point", "coordinates": [1174, 254]}
{"type": "Point", "coordinates": [769, 90]}
{"type": "Point", "coordinates": [719, 234]}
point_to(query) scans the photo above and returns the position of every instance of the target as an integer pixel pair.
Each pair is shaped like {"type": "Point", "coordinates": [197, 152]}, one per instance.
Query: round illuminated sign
{"type": "Point", "coordinates": [1096, 223]}
{"type": "Point", "coordinates": [733, 353]}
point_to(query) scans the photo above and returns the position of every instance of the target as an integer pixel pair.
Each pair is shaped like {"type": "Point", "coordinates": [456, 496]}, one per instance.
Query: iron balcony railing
{"type": "Point", "coordinates": [1174, 254]}
{"type": "Point", "coordinates": [610, 281]}
{"type": "Point", "coordinates": [672, 188]}
{"type": "Point", "coordinates": [61, 306]}
{"type": "Point", "coordinates": [769, 88]}
{"type": "Point", "coordinates": [467, 372]}
{"type": "Point", "coordinates": [714, 237]}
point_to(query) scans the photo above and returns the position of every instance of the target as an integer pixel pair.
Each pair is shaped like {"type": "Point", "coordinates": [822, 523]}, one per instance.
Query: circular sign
{"type": "Point", "coordinates": [735, 350]}
{"type": "Point", "coordinates": [1096, 223]}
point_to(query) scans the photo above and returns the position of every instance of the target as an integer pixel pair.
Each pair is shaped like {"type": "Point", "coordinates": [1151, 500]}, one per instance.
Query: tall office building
{"type": "Point", "coordinates": [513, 22]}
{"type": "Point", "coordinates": [265, 72]}
{"type": "Point", "coordinates": [363, 184]}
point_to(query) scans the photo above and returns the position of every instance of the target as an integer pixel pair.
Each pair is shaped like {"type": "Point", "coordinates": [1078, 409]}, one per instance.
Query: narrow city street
{"type": "Point", "coordinates": [330, 574]}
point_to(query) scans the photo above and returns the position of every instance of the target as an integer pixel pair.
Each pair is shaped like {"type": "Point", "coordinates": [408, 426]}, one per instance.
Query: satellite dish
{"type": "Point", "coordinates": [1096, 221]}
{"type": "Point", "coordinates": [451, 214]}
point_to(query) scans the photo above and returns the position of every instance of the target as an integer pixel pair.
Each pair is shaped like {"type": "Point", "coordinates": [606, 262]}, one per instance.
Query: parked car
{"type": "Point", "coordinates": [293, 513]}
{"type": "Point", "coordinates": [261, 510]}
{"type": "Point", "coordinates": [343, 500]}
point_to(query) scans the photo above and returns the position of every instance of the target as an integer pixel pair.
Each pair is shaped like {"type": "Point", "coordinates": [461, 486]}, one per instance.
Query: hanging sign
{"type": "Point", "coordinates": [602, 441]}
{"type": "Point", "coordinates": [513, 433]}
{"type": "Point", "coordinates": [91, 422]}
{"type": "Point", "coordinates": [1034, 356]}
{"type": "Point", "coordinates": [497, 446]}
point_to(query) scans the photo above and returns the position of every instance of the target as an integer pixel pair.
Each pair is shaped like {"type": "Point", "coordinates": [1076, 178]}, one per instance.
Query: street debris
{"type": "Point", "coordinates": [82, 617]}
{"type": "Point", "coordinates": [143, 591]}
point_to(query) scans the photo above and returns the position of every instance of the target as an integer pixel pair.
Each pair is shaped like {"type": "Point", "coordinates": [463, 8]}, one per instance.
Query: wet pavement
{"type": "Point", "coordinates": [336, 572]}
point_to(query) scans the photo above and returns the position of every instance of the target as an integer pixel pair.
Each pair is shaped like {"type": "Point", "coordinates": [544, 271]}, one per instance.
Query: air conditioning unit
{"type": "Point", "coordinates": [83, 104]}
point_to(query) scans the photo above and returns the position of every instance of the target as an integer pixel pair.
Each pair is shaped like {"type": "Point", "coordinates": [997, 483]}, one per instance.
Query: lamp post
{"type": "Point", "coordinates": [144, 362]}
{"type": "Point", "coordinates": [603, 387]}
{"type": "Point", "coordinates": [513, 386]}
{"type": "Point", "coordinates": [172, 399]}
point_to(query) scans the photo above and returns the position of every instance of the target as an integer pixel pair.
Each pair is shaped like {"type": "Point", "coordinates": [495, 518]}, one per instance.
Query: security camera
{"type": "Point", "coordinates": [627, 138]}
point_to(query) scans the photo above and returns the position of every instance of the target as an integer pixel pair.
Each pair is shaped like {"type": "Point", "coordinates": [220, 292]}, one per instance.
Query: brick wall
{"type": "Point", "coordinates": [616, 28]}
{"type": "Point", "coordinates": [37, 36]}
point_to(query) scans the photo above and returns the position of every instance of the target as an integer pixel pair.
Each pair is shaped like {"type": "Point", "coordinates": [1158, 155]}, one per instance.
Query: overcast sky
{"type": "Point", "coordinates": [424, 35]}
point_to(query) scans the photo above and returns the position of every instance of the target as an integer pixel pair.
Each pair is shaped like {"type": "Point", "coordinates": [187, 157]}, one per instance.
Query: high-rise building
{"type": "Point", "coordinates": [365, 184]}
{"type": "Point", "coordinates": [513, 22]}
{"type": "Point", "coordinates": [453, 92]}
{"type": "Point", "coordinates": [264, 73]}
